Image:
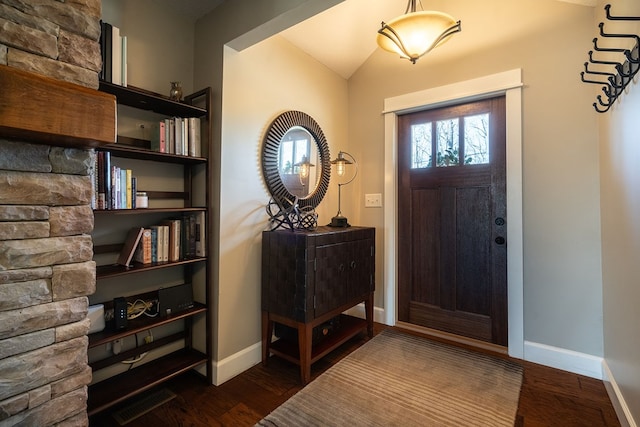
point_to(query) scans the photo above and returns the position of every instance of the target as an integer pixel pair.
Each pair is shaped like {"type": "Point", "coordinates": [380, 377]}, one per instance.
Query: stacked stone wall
{"type": "Point", "coordinates": [46, 274]}
{"type": "Point", "coordinates": [56, 38]}
{"type": "Point", "coordinates": [46, 251]}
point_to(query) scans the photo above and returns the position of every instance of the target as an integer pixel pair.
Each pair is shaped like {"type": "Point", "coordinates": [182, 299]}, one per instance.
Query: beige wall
{"type": "Point", "coordinates": [260, 83]}
{"type": "Point", "coordinates": [620, 207]}
{"type": "Point", "coordinates": [240, 196]}
{"type": "Point", "coordinates": [562, 275]}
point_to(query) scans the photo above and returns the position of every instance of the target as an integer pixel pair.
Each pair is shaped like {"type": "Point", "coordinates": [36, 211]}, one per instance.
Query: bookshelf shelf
{"type": "Point", "coordinates": [126, 148]}
{"type": "Point", "coordinates": [151, 101]}
{"type": "Point", "coordinates": [114, 390]}
{"type": "Point", "coordinates": [142, 324]}
{"type": "Point", "coordinates": [189, 187]}
{"type": "Point", "coordinates": [105, 271]}
{"type": "Point", "coordinates": [146, 211]}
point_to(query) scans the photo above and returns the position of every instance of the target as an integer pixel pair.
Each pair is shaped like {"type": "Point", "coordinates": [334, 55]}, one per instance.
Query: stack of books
{"type": "Point", "coordinates": [171, 240]}
{"type": "Point", "coordinates": [113, 47]}
{"type": "Point", "coordinates": [177, 135]}
{"type": "Point", "coordinates": [114, 187]}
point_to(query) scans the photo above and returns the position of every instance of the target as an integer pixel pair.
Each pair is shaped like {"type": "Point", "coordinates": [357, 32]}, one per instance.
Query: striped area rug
{"type": "Point", "coordinates": [397, 379]}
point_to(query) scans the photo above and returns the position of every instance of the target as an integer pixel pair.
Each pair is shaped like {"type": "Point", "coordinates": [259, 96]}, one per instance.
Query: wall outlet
{"type": "Point", "coordinates": [373, 200]}
{"type": "Point", "coordinates": [117, 346]}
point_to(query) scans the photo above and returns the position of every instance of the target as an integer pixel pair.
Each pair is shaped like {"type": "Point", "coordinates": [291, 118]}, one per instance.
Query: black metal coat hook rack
{"type": "Point", "coordinates": [613, 76]}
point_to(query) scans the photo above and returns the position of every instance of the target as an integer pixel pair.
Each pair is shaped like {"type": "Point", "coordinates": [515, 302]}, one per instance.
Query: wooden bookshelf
{"type": "Point", "coordinates": [146, 374]}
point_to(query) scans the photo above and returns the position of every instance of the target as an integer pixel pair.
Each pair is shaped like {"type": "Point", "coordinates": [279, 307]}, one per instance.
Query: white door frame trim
{"type": "Point", "coordinates": [510, 84]}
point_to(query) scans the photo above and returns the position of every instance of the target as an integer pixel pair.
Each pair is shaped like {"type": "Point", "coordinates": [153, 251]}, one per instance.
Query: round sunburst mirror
{"type": "Point", "coordinates": [296, 160]}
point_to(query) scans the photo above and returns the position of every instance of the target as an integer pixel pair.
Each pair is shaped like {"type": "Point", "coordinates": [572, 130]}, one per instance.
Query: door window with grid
{"type": "Point", "coordinates": [455, 141]}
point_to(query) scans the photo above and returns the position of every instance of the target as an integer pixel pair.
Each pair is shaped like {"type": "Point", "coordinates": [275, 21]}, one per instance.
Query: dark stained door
{"type": "Point", "coordinates": [452, 220]}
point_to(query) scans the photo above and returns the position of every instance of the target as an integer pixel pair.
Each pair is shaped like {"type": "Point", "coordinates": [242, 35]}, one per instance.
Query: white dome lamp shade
{"type": "Point", "coordinates": [414, 34]}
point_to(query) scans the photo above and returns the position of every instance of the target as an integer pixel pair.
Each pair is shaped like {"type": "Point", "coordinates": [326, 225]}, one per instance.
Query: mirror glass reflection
{"type": "Point", "coordinates": [298, 150]}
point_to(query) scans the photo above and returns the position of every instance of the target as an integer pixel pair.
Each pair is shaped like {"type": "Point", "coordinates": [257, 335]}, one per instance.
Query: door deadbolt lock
{"type": "Point", "coordinates": [499, 221]}
{"type": "Point", "coordinates": [500, 240]}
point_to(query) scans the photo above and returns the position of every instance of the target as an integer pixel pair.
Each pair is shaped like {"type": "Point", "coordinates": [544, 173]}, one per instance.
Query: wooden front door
{"type": "Point", "coordinates": [452, 220]}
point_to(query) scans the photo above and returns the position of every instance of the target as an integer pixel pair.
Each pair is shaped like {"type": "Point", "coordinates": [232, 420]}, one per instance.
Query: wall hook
{"type": "Point", "coordinates": [613, 81]}
{"type": "Point", "coordinates": [607, 10]}
{"type": "Point", "coordinates": [599, 73]}
{"type": "Point", "coordinates": [599, 110]}
{"type": "Point", "coordinates": [607, 49]}
{"type": "Point", "coordinates": [591, 81]}
{"type": "Point", "coordinates": [620, 69]}
{"type": "Point", "coordinates": [593, 61]}
{"type": "Point", "coordinates": [618, 74]}
{"type": "Point", "coordinates": [608, 104]}
{"type": "Point", "coordinates": [630, 57]}
{"type": "Point", "coordinates": [611, 35]}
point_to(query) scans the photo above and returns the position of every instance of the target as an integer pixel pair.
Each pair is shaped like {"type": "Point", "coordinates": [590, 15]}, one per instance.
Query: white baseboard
{"type": "Point", "coordinates": [358, 311]}
{"type": "Point", "coordinates": [237, 363]}
{"type": "Point", "coordinates": [617, 399]}
{"type": "Point", "coordinates": [566, 360]}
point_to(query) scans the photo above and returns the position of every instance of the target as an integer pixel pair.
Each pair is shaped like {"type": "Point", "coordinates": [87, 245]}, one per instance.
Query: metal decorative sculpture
{"type": "Point", "coordinates": [290, 215]}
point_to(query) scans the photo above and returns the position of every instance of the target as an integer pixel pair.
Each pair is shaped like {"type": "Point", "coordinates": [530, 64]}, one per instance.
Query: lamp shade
{"type": "Point", "coordinates": [341, 163]}
{"type": "Point", "coordinates": [304, 167]}
{"type": "Point", "coordinates": [414, 34]}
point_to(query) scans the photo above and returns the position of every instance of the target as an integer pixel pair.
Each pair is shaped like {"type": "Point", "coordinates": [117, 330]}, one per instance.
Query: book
{"type": "Point", "coordinates": [164, 233]}
{"type": "Point", "coordinates": [105, 50]}
{"type": "Point", "coordinates": [100, 174]}
{"type": "Point", "coordinates": [134, 191]}
{"type": "Point", "coordinates": [115, 187]}
{"type": "Point", "coordinates": [185, 135]}
{"type": "Point", "coordinates": [129, 195]}
{"type": "Point", "coordinates": [154, 243]}
{"type": "Point", "coordinates": [167, 136]}
{"type": "Point", "coordinates": [174, 239]}
{"type": "Point", "coordinates": [130, 245]}
{"type": "Point", "coordinates": [201, 235]}
{"type": "Point", "coordinates": [177, 130]}
{"type": "Point", "coordinates": [106, 179]}
{"type": "Point", "coordinates": [158, 137]}
{"type": "Point", "coordinates": [122, 194]}
{"type": "Point", "coordinates": [191, 237]}
{"type": "Point", "coordinates": [116, 56]}
{"type": "Point", "coordinates": [143, 251]}
{"type": "Point", "coordinates": [195, 149]}
{"type": "Point", "coordinates": [124, 61]}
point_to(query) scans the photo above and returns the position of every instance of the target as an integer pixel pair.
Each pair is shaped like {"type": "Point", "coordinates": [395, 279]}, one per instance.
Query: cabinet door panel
{"type": "Point", "coordinates": [343, 272]}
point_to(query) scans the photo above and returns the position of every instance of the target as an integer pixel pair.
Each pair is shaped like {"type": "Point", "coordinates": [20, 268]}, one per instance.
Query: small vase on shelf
{"type": "Point", "coordinates": [176, 91]}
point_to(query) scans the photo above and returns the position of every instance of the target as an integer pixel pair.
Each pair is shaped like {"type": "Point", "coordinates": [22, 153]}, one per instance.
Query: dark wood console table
{"type": "Point", "coordinates": [309, 278]}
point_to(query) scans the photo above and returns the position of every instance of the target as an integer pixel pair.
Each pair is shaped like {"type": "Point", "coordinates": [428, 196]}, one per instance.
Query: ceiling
{"type": "Point", "coordinates": [346, 33]}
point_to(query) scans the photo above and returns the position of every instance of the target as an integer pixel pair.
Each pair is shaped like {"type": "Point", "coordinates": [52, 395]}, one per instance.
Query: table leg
{"type": "Point", "coordinates": [305, 335]}
{"type": "Point", "coordinates": [267, 332]}
{"type": "Point", "coordinates": [368, 310]}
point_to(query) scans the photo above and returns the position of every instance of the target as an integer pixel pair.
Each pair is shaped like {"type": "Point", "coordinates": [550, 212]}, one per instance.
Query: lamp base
{"type": "Point", "coordinates": [339, 221]}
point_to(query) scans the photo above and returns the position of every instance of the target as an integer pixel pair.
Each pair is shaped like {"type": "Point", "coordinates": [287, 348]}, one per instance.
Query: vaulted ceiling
{"type": "Point", "coordinates": [344, 36]}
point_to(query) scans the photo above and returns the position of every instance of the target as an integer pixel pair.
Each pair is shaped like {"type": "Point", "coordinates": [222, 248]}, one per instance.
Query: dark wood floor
{"type": "Point", "coordinates": [549, 397]}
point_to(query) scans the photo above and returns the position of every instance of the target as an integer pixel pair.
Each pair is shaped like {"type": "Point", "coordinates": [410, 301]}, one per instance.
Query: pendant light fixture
{"type": "Point", "coordinates": [415, 33]}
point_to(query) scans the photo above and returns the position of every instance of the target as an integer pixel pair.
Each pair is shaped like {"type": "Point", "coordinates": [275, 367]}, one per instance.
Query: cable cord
{"type": "Point", "coordinates": [148, 339]}
{"type": "Point", "coordinates": [139, 307]}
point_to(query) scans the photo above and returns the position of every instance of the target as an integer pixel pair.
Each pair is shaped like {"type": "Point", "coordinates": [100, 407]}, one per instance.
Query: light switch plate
{"type": "Point", "coordinates": [373, 200]}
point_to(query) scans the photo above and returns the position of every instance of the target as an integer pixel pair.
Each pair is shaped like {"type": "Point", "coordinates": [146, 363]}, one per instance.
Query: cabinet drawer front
{"type": "Point", "coordinates": [344, 272]}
